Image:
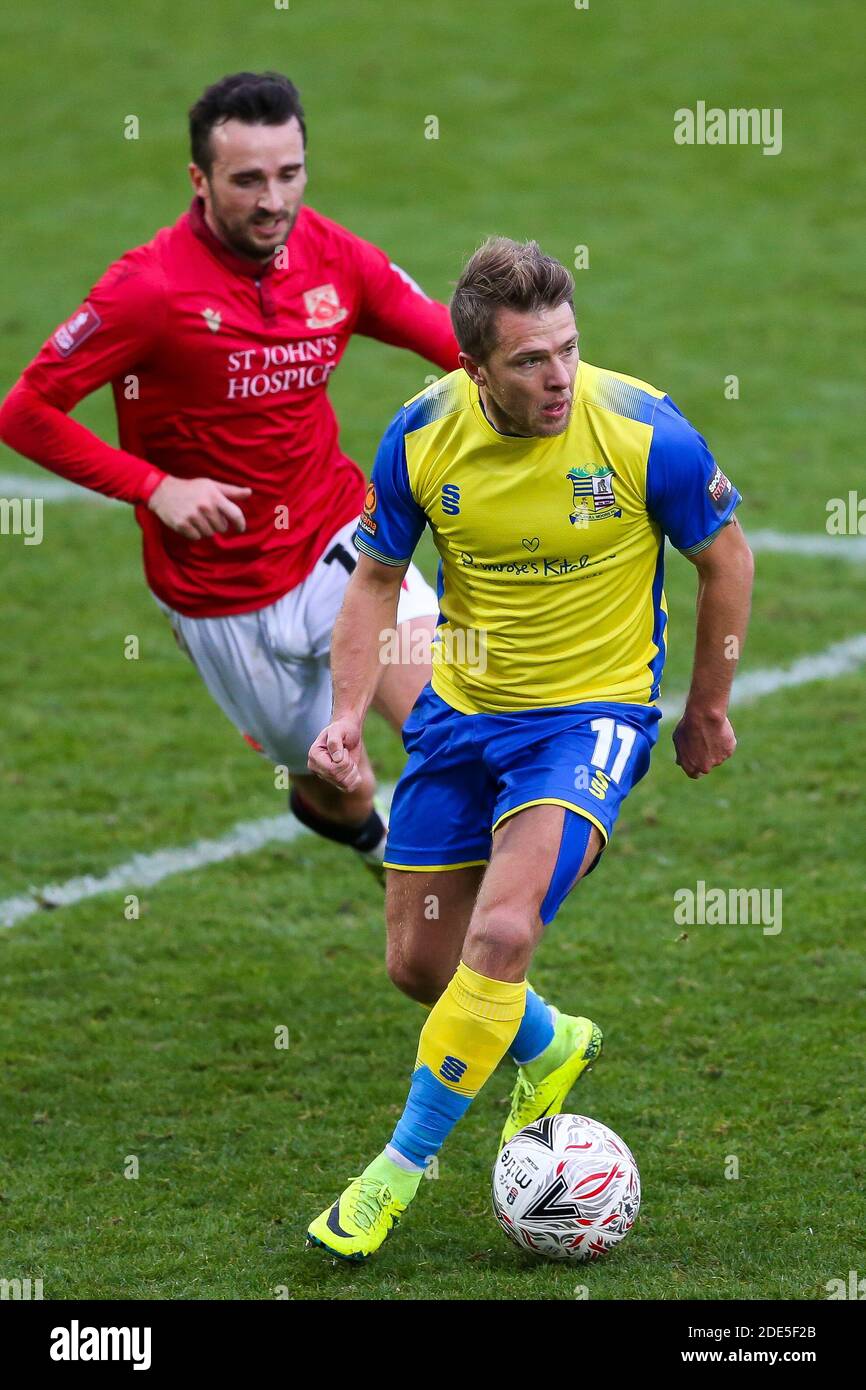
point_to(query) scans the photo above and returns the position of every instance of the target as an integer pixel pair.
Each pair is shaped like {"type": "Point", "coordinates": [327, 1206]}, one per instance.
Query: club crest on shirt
{"type": "Point", "coordinates": [323, 307]}
{"type": "Point", "coordinates": [593, 496]}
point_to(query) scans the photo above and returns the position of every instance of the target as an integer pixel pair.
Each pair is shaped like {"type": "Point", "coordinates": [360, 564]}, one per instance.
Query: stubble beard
{"type": "Point", "coordinates": [239, 240]}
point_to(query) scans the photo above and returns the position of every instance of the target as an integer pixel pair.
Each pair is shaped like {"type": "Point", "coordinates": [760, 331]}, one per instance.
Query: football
{"type": "Point", "coordinates": [566, 1188]}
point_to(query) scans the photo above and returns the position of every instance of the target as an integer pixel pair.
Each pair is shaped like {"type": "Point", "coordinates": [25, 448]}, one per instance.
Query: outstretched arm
{"type": "Point", "coordinates": [114, 332]}
{"type": "Point", "coordinates": [368, 614]}
{"type": "Point", "coordinates": [396, 310]}
{"type": "Point", "coordinates": [704, 737]}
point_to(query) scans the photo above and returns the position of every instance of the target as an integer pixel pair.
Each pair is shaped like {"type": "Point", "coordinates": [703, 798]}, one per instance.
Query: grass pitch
{"type": "Point", "coordinates": [153, 1039]}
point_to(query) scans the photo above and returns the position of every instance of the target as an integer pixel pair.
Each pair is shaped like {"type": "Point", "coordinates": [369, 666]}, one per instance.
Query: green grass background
{"type": "Point", "coordinates": [154, 1038]}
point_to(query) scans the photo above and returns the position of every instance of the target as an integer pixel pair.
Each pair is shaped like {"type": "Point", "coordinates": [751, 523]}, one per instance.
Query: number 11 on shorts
{"type": "Point", "coordinates": [604, 730]}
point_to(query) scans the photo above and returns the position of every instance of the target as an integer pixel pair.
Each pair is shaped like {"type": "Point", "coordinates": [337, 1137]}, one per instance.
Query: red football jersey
{"type": "Point", "coordinates": [219, 368]}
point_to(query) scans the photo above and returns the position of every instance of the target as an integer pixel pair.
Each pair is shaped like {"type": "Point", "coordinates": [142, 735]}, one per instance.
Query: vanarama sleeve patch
{"type": "Point", "coordinates": [687, 492]}
{"type": "Point", "coordinates": [720, 488]}
{"type": "Point", "coordinates": [76, 330]}
{"type": "Point", "coordinates": [391, 524]}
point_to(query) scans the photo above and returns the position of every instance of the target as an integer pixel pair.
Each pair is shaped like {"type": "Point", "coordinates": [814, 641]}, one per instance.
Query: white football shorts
{"type": "Point", "coordinates": [269, 670]}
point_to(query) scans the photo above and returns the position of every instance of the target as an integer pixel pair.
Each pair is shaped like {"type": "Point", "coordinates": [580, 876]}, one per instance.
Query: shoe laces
{"type": "Point", "coordinates": [524, 1094]}
{"type": "Point", "coordinates": [369, 1200]}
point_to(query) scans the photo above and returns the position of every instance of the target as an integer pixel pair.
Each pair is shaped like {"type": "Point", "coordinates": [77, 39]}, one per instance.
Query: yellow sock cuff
{"type": "Point", "coordinates": [496, 999]}
{"type": "Point", "coordinates": [470, 1029]}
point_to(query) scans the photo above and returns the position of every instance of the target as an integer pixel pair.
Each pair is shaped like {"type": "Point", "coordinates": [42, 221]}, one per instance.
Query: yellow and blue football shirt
{"type": "Point", "coordinates": [551, 548]}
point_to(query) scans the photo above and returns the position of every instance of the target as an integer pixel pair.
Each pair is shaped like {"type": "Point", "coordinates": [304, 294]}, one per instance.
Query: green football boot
{"type": "Point", "coordinates": [576, 1044]}
{"type": "Point", "coordinates": [366, 1214]}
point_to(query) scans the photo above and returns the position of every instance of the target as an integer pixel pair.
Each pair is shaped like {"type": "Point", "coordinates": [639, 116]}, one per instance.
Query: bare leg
{"type": "Point", "coordinates": [427, 916]}
{"type": "Point", "coordinates": [487, 916]}
{"type": "Point", "coordinates": [506, 924]}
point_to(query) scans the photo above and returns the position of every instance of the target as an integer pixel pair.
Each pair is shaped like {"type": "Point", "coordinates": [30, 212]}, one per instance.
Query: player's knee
{"type": "Point", "coordinates": [420, 980]}
{"type": "Point", "coordinates": [504, 935]}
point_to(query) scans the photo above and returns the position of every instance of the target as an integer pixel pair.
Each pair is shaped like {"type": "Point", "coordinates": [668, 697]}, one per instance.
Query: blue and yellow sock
{"type": "Point", "coordinates": [468, 1032]}
{"type": "Point", "coordinates": [536, 1030]}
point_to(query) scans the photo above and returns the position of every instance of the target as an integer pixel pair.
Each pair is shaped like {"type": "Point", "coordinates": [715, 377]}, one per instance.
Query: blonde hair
{"type": "Point", "coordinates": [504, 274]}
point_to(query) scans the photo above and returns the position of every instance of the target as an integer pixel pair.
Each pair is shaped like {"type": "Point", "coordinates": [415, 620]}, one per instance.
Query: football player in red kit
{"type": "Point", "coordinates": [219, 338]}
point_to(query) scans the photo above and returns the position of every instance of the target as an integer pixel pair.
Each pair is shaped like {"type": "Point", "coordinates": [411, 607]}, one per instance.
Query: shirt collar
{"type": "Point", "coordinates": [241, 265]}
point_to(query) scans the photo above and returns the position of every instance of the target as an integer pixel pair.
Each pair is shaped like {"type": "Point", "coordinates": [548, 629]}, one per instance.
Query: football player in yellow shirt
{"type": "Point", "coordinates": [549, 486]}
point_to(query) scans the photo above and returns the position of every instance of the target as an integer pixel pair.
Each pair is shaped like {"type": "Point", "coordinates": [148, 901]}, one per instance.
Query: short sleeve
{"type": "Point", "coordinates": [687, 493]}
{"type": "Point", "coordinates": [391, 524]}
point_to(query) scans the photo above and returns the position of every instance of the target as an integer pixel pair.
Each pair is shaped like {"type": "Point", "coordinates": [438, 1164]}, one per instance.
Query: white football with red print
{"type": "Point", "coordinates": [567, 1188]}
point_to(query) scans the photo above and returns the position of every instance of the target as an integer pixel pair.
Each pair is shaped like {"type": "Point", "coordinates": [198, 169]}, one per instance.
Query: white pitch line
{"type": "Point", "coordinates": [778, 543]}
{"type": "Point", "coordinates": [839, 659]}
{"type": "Point", "coordinates": [145, 870]}
{"type": "Point", "coordinates": [49, 488]}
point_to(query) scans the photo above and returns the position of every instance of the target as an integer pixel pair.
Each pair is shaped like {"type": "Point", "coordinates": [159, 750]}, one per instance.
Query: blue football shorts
{"type": "Point", "coordinates": [466, 773]}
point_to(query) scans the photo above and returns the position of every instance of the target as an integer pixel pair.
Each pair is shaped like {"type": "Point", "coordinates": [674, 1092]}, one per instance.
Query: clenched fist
{"type": "Point", "coordinates": [333, 755]}
{"type": "Point", "coordinates": [702, 742]}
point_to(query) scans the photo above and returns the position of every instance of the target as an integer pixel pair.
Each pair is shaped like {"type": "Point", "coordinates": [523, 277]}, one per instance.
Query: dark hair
{"type": "Point", "coordinates": [256, 98]}
{"type": "Point", "coordinates": [504, 274]}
